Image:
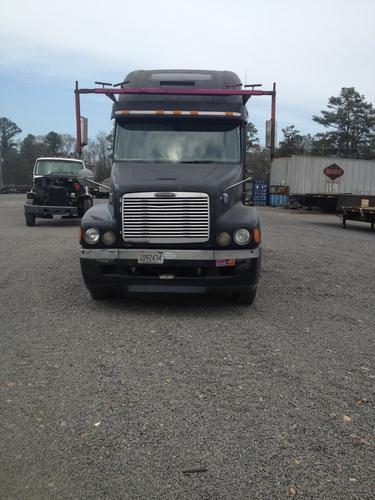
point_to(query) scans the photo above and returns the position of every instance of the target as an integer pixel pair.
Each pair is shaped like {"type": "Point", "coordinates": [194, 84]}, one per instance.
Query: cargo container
{"type": "Point", "coordinates": [324, 182]}
{"type": "Point", "coordinates": [259, 193]}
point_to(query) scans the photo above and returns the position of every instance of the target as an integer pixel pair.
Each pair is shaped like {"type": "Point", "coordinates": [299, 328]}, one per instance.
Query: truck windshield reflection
{"type": "Point", "coordinates": [58, 167]}
{"type": "Point", "coordinates": [180, 141]}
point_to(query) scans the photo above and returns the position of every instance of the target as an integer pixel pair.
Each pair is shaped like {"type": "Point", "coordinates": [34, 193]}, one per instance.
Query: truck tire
{"type": "Point", "coordinates": [246, 297]}
{"type": "Point", "coordinates": [30, 220]}
{"type": "Point", "coordinates": [83, 206]}
{"type": "Point", "coordinates": [99, 293]}
{"type": "Point", "coordinates": [86, 205]}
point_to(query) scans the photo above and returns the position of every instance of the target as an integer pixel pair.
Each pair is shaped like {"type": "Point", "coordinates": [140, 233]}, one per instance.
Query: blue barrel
{"type": "Point", "coordinates": [284, 200]}
{"type": "Point", "coordinates": [278, 200]}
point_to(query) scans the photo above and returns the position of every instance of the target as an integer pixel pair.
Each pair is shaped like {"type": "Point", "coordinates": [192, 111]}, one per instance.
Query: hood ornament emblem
{"type": "Point", "coordinates": [165, 195]}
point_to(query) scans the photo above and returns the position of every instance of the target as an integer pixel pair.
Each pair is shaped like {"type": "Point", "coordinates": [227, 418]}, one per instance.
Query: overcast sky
{"type": "Point", "coordinates": [310, 48]}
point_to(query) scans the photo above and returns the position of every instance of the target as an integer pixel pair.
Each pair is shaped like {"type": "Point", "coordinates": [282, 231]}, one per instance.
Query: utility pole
{"type": "Point", "coordinates": [1, 172]}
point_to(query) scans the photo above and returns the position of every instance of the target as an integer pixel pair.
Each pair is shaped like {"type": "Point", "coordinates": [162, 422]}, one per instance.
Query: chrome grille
{"type": "Point", "coordinates": [165, 217]}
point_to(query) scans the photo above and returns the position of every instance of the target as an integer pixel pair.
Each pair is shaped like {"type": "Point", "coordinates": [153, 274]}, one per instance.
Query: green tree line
{"type": "Point", "coordinates": [348, 131]}
{"type": "Point", "coordinates": [17, 157]}
{"type": "Point", "coordinates": [349, 123]}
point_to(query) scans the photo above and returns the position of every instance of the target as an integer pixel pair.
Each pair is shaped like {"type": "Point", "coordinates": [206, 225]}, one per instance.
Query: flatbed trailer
{"type": "Point", "coordinates": [359, 214]}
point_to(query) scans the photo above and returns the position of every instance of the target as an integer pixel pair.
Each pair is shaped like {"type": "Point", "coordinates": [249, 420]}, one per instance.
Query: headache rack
{"type": "Point", "coordinates": [174, 91]}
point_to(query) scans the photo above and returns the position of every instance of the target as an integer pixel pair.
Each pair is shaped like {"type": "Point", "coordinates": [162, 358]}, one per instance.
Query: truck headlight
{"type": "Point", "coordinates": [91, 235]}
{"type": "Point", "coordinates": [242, 236]}
{"type": "Point", "coordinates": [223, 239]}
{"type": "Point", "coordinates": [109, 237]}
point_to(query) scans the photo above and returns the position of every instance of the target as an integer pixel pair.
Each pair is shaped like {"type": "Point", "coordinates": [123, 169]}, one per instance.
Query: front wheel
{"type": "Point", "coordinates": [30, 220]}
{"type": "Point", "coordinates": [84, 206]}
{"type": "Point", "coordinates": [100, 293]}
{"type": "Point", "coordinates": [246, 297]}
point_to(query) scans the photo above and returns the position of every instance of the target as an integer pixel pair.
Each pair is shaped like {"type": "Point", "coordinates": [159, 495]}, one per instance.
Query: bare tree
{"type": "Point", "coordinates": [67, 145]}
{"type": "Point", "coordinates": [98, 152]}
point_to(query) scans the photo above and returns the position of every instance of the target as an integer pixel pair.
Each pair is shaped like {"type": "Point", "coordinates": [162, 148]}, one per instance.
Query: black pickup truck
{"type": "Point", "coordinates": [176, 220]}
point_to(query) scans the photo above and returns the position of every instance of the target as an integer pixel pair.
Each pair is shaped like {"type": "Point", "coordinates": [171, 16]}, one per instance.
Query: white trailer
{"type": "Point", "coordinates": [325, 182]}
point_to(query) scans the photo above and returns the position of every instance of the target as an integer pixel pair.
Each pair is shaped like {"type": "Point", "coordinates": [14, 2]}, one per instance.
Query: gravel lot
{"type": "Point", "coordinates": [121, 399]}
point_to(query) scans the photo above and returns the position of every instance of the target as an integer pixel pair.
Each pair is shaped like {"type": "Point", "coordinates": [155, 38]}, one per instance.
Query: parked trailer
{"type": "Point", "coordinates": [359, 214]}
{"type": "Point", "coordinates": [324, 182]}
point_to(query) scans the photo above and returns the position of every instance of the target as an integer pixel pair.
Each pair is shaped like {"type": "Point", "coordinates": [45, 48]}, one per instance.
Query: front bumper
{"type": "Point", "coordinates": [183, 271]}
{"type": "Point", "coordinates": [45, 211]}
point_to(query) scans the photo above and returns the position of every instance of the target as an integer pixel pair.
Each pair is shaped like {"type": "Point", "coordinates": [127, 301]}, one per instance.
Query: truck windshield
{"type": "Point", "coordinates": [58, 167]}
{"type": "Point", "coordinates": [181, 141]}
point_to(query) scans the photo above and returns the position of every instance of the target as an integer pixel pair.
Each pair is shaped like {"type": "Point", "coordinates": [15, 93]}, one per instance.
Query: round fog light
{"type": "Point", "coordinates": [223, 239]}
{"type": "Point", "coordinates": [91, 236]}
{"type": "Point", "coordinates": [109, 237]}
{"type": "Point", "coordinates": [241, 236]}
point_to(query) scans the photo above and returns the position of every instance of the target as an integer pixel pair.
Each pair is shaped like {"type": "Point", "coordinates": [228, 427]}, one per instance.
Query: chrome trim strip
{"type": "Point", "coordinates": [132, 254]}
{"type": "Point", "coordinates": [158, 195]}
{"type": "Point", "coordinates": [104, 254]}
{"type": "Point", "coordinates": [161, 240]}
{"type": "Point", "coordinates": [125, 112]}
{"type": "Point", "coordinates": [110, 254]}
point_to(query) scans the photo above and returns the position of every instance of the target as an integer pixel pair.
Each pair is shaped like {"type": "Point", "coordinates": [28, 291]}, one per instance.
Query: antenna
{"type": "Point", "coordinates": [103, 84]}
{"type": "Point", "coordinates": [121, 83]}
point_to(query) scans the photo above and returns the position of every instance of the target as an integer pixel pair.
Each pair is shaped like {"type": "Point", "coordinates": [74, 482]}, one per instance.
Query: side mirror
{"type": "Point", "coordinates": [85, 177]}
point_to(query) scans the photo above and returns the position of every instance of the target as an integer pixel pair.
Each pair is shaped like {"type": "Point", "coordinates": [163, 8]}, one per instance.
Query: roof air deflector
{"type": "Point", "coordinates": [176, 83]}
{"type": "Point", "coordinates": [179, 77]}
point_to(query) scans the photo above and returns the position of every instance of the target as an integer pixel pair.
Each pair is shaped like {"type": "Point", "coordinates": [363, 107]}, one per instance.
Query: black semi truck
{"type": "Point", "coordinates": [176, 220]}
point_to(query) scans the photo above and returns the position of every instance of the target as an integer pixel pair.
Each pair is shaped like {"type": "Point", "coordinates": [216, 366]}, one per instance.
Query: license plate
{"type": "Point", "coordinates": [151, 258]}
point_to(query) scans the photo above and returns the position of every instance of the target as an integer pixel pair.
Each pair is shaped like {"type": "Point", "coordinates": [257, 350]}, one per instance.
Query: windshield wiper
{"type": "Point", "coordinates": [198, 161]}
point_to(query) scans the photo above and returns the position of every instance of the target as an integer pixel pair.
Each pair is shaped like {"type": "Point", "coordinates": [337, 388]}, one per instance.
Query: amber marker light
{"type": "Point", "coordinates": [257, 235]}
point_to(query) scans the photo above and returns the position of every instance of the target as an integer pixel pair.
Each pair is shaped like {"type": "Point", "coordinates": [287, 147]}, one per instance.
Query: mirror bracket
{"type": "Point", "coordinates": [225, 194]}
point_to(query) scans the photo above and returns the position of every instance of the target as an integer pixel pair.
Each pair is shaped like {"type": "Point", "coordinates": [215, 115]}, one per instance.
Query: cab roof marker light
{"type": "Point", "coordinates": [175, 112]}
{"type": "Point", "coordinates": [245, 95]}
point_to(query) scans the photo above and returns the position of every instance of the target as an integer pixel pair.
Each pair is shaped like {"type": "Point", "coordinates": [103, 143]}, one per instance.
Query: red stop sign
{"type": "Point", "coordinates": [333, 171]}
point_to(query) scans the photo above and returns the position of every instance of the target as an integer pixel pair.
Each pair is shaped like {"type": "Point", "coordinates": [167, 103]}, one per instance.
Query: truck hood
{"type": "Point", "coordinates": [210, 178]}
